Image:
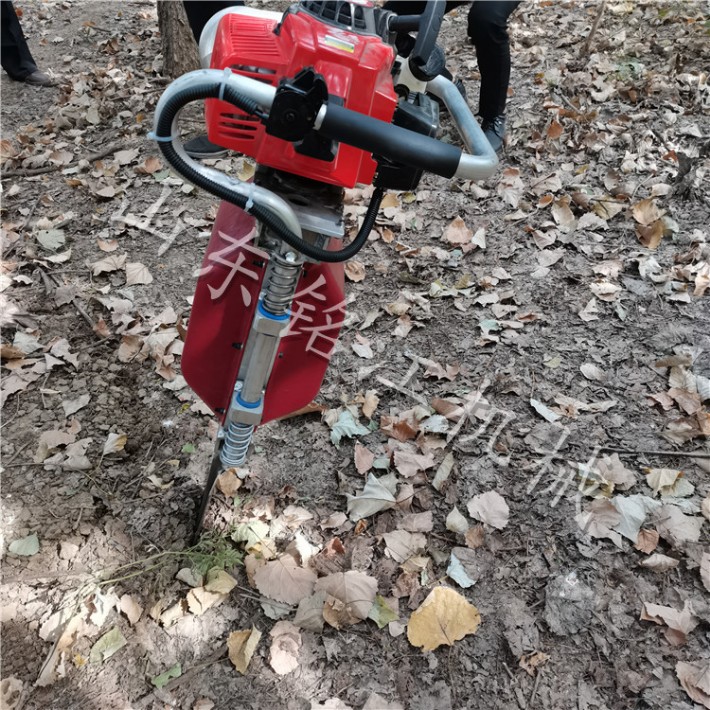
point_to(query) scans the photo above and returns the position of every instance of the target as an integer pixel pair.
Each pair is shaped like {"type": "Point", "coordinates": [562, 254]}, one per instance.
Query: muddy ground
{"type": "Point", "coordinates": [575, 306]}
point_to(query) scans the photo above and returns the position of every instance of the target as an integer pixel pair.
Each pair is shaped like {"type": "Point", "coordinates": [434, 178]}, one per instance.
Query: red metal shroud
{"type": "Point", "coordinates": [356, 68]}
{"type": "Point", "coordinates": [223, 308]}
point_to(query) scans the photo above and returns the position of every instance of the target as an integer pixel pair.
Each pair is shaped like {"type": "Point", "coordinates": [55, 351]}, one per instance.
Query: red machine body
{"type": "Point", "coordinates": [222, 311]}
{"type": "Point", "coordinates": [356, 68]}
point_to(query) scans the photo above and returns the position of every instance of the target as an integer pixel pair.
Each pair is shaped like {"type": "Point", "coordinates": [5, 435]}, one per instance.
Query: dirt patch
{"type": "Point", "coordinates": [583, 323]}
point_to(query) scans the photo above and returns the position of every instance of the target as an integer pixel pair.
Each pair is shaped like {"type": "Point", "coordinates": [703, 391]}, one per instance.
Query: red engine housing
{"type": "Point", "coordinates": [356, 68]}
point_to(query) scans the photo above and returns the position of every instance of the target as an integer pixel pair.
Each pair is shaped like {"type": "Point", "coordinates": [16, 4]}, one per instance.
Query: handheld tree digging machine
{"type": "Point", "coordinates": [327, 96]}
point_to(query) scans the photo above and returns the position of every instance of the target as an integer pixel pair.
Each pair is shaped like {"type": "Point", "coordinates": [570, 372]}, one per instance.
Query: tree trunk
{"type": "Point", "coordinates": [180, 53]}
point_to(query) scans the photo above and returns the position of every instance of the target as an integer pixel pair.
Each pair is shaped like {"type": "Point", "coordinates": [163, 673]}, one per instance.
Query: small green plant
{"type": "Point", "coordinates": [214, 550]}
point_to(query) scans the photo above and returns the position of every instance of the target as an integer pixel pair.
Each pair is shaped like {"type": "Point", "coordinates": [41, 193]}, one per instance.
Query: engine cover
{"type": "Point", "coordinates": [355, 64]}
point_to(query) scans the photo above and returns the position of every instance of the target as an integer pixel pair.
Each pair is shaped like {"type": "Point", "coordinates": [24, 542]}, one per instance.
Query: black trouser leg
{"type": "Point", "coordinates": [199, 12]}
{"type": "Point", "coordinates": [488, 29]}
{"type": "Point", "coordinates": [15, 55]}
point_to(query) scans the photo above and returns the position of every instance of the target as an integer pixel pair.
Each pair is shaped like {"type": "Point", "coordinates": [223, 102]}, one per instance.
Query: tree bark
{"type": "Point", "coordinates": [180, 53]}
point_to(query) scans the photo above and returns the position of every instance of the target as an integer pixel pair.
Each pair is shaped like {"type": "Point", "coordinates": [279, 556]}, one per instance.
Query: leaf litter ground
{"type": "Point", "coordinates": [498, 335]}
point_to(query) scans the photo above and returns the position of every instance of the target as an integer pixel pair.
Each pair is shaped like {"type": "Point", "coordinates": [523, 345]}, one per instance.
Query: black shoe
{"type": "Point", "coordinates": [201, 149]}
{"type": "Point", "coordinates": [494, 130]}
{"type": "Point", "coordinates": [39, 78]}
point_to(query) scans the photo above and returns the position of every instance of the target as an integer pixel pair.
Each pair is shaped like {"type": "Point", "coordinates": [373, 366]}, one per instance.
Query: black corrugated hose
{"type": "Point", "coordinates": [272, 221]}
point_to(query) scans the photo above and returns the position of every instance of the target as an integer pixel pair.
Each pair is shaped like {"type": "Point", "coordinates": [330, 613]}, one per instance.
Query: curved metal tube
{"type": "Point", "coordinates": [482, 161]}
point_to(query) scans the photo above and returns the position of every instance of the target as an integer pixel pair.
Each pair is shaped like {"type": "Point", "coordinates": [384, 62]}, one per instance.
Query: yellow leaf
{"type": "Point", "coordinates": [444, 617]}
{"type": "Point", "coordinates": [241, 645]}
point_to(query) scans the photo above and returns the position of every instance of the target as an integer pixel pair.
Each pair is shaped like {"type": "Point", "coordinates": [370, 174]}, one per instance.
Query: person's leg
{"type": "Point", "coordinates": [198, 13]}
{"type": "Point", "coordinates": [17, 59]}
{"type": "Point", "coordinates": [488, 30]}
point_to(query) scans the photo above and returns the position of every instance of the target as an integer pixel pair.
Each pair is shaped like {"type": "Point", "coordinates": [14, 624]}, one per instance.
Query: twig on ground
{"type": "Point", "coordinates": [651, 452]}
{"type": "Point", "coordinates": [535, 687]}
{"type": "Point", "coordinates": [31, 172]}
{"type": "Point", "coordinates": [595, 26]}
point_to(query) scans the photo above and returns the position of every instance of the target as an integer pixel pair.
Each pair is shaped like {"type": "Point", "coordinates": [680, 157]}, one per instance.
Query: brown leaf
{"type": "Point", "coordinates": [151, 165]}
{"type": "Point", "coordinates": [284, 581]}
{"type": "Point", "coordinates": [531, 661]}
{"type": "Point", "coordinates": [650, 236]}
{"type": "Point", "coordinates": [679, 623]}
{"type": "Point", "coordinates": [200, 599]}
{"type": "Point", "coordinates": [457, 233]}
{"type": "Point", "coordinates": [475, 537]}
{"type": "Point", "coordinates": [695, 679]}
{"type": "Point", "coordinates": [108, 264]}
{"type": "Point", "coordinates": [369, 403]}
{"type": "Point", "coordinates": [647, 541]}
{"type": "Point", "coordinates": [563, 216]}
{"type": "Point", "coordinates": [241, 645]}
{"type": "Point", "coordinates": [401, 545]}
{"type": "Point", "coordinates": [107, 244]}
{"type": "Point", "coordinates": [285, 647]}
{"type": "Point", "coordinates": [350, 597]}
{"type": "Point", "coordinates": [647, 212]}
{"type": "Point", "coordinates": [229, 483]}
{"type": "Point", "coordinates": [355, 270]}
{"type": "Point", "coordinates": [364, 458]}
{"type": "Point", "coordinates": [676, 527]}
{"type": "Point", "coordinates": [409, 463]}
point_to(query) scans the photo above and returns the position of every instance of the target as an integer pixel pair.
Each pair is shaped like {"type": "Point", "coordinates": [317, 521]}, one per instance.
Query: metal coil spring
{"type": "Point", "coordinates": [281, 285]}
{"type": "Point", "coordinates": [237, 438]}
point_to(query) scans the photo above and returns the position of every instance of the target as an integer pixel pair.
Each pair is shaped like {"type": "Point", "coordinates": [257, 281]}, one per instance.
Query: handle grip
{"type": "Point", "coordinates": [389, 141]}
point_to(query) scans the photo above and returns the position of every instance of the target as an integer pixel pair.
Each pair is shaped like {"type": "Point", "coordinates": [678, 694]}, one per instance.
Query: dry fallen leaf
{"type": "Point", "coordinates": [661, 478]}
{"type": "Point", "coordinates": [284, 581]}
{"type": "Point", "coordinates": [137, 273]}
{"type": "Point", "coordinates": [131, 608]}
{"type": "Point", "coordinates": [241, 645]}
{"type": "Point", "coordinates": [355, 270]}
{"type": "Point", "coordinates": [695, 679]}
{"type": "Point", "coordinates": [647, 541]}
{"type": "Point", "coordinates": [457, 233]}
{"type": "Point", "coordinates": [200, 599]}
{"type": "Point", "coordinates": [490, 508]}
{"type": "Point", "coordinates": [531, 661]}
{"type": "Point", "coordinates": [650, 236]}
{"type": "Point", "coordinates": [401, 545]}
{"type": "Point", "coordinates": [376, 496]}
{"type": "Point", "coordinates": [660, 563]}
{"type": "Point", "coordinates": [109, 264]}
{"type": "Point", "coordinates": [229, 482]}
{"type": "Point", "coordinates": [285, 647]}
{"type": "Point", "coordinates": [679, 623]}
{"type": "Point", "coordinates": [443, 618]}
{"type": "Point", "coordinates": [646, 212]}
{"type": "Point", "coordinates": [350, 597]}
{"type": "Point", "coordinates": [676, 527]}
{"type": "Point", "coordinates": [364, 458]}
{"type": "Point", "coordinates": [114, 443]}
